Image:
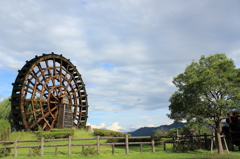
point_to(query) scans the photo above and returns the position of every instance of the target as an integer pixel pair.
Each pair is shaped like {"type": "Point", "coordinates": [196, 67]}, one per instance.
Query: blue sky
{"type": "Point", "coordinates": [125, 50]}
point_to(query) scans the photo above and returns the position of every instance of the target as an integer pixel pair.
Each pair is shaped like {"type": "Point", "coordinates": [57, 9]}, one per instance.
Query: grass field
{"type": "Point", "coordinates": [106, 151]}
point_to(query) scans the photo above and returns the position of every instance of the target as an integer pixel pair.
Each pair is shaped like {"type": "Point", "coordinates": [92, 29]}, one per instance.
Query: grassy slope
{"type": "Point", "coordinates": [106, 151]}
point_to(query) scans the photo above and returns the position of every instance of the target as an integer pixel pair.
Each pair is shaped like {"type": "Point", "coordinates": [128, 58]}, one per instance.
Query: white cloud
{"type": "Point", "coordinates": [115, 127]}
{"type": "Point", "coordinates": [184, 121]}
{"type": "Point", "coordinates": [102, 125]}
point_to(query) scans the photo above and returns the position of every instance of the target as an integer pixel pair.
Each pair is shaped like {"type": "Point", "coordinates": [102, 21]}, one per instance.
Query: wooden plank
{"type": "Point", "coordinates": [29, 141]}
{"type": "Point", "coordinates": [138, 143]}
{"type": "Point", "coordinates": [7, 142]}
{"type": "Point", "coordinates": [112, 138]}
{"type": "Point", "coordinates": [112, 143]}
{"type": "Point", "coordinates": [86, 139]}
{"type": "Point", "coordinates": [146, 137]}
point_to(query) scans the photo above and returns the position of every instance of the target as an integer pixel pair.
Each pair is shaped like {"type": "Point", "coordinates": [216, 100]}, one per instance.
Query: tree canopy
{"type": "Point", "coordinates": [207, 91]}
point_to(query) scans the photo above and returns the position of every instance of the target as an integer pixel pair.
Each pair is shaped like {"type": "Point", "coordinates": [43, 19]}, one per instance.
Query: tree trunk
{"type": "Point", "coordinates": [218, 138]}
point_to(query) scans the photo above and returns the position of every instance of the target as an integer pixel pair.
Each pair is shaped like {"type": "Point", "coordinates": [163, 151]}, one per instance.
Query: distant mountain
{"type": "Point", "coordinates": [148, 131]}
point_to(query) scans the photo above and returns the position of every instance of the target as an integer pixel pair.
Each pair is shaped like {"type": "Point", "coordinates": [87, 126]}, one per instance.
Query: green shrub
{"type": "Point", "coordinates": [4, 129]}
{"type": "Point", "coordinates": [89, 151]}
{"type": "Point", "coordinates": [8, 150]}
{"type": "Point", "coordinates": [104, 132]}
{"type": "Point", "coordinates": [189, 146]}
{"type": "Point", "coordinates": [36, 151]}
{"type": "Point", "coordinates": [55, 133]}
{"type": "Point", "coordinates": [62, 130]}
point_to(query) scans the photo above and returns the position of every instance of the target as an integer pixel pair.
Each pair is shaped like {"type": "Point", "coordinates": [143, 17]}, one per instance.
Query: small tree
{"type": "Point", "coordinates": [175, 131]}
{"type": "Point", "coordinates": [207, 91]}
{"type": "Point", "coordinates": [199, 128]}
{"type": "Point", "coordinates": [159, 132]}
{"type": "Point", "coordinates": [5, 109]}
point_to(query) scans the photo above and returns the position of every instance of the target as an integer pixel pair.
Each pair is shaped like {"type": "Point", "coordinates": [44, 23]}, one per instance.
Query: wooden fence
{"type": "Point", "coordinates": [127, 143]}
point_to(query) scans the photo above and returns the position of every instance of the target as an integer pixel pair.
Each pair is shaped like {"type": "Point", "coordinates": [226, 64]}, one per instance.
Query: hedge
{"type": "Point", "coordinates": [55, 133]}
{"type": "Point", "coordinates": [104, 132]}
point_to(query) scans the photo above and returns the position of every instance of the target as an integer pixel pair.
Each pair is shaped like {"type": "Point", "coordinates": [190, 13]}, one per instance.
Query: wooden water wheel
{"type": "Point", "coordinates": [39, 90]}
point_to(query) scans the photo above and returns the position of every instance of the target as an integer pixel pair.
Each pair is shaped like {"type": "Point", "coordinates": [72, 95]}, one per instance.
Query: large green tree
{"type": "Point", "coordinates": [207, 91]}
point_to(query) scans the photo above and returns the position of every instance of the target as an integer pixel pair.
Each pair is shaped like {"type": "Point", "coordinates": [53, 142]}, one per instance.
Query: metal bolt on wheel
{"type": "Point", "coordinates": [39, 89]}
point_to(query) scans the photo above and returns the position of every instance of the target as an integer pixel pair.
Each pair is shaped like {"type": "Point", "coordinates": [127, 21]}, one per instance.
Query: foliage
{"type": "Point", "coordinates": [104, 132]}
{"type": "Point", "coordinates": [189, 146]}
{"type": "Point", "coordinates": [198, 128]}
{"type": "Point", "coordinates": [36, 151]}
{"type": "Point", "coordinates": [4, 129]}
{"type": "Point", "coordinates": [5, 109]}
{"type": "Point", "coordinates": [90, 150]}
{"type": "Point", "coordinates": [55, 133]}
{"type": "Point", "coordinates": [8, 150]}
{"type": "Point", "coordinates": [207, 91]}
{"type": "Point", "coordinates": [63, 130]}
{"type": "Point", "coordinates": [159, 132]}
{"type": "Point", "coordinates": [175, 131]}
{"type": "Point", "coordinates": [21, 135]}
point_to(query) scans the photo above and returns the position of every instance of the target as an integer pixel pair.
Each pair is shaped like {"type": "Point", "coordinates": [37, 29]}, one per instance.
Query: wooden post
{"type": "Point", "coordinates": [126, 143]}
{"type": "Point", "coordinates": [112, 149]}
{"type": "Point", "coordinates": [42, 146]}
{"type": "Point", "coordinates": [82, 148]}
{"type": "Point", "coordinates": [56, 151]}
{"type": "Point", "coordinates": [69, 145]}
{"type": "Point", "coordinates": [4, 152]}
{"type": "Point", "coordinates": [174, 146]}
{"type": "Point", "coordinates": [141, 148]}
{"type": "Point", "coordinates": [98, 144]}
{"type": "Point", "coordinates": [15, 149]}
{"type": "Point", "coordinates": [152, 140]}
{"type": "Point", "coordinates": [212, 143]}
{"type": "Point", "coordinates": [206, 141]}
{"type": "Point", "coordinates": [30, 152]}
{"type": "Point", "coordinates": [164, 146]}
{"type": "Point", "coordinates": [225, 143]}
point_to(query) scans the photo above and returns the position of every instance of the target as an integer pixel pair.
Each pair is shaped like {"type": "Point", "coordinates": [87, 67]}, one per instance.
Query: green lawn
{"type": "Point", "coordinates": [106, 151]}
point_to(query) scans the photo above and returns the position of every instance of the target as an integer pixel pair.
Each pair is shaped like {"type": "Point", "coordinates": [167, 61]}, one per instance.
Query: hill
{"type": "Point", "coordinates": [148, 131]}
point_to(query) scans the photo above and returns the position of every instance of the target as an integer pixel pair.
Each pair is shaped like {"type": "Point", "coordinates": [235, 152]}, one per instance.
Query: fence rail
{"type": "Point", "coordinates": [174, 139]}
